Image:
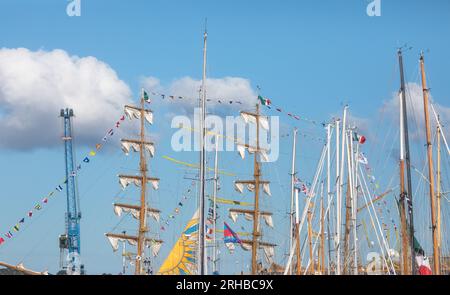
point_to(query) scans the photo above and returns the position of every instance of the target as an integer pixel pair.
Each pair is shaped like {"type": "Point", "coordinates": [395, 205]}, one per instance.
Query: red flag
{"type": "Point", "coordinates": [361, 139]}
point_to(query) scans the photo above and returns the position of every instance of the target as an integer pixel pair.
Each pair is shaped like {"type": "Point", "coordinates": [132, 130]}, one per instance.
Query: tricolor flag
{"type": "Point", "coordinates": [264, 101]}
{"type": "Point", "coordinates": [230, 237]}
{"type": "Point", "coordinates": [59, 188]}
{"type": "Point", "coordinates": [359, 138]}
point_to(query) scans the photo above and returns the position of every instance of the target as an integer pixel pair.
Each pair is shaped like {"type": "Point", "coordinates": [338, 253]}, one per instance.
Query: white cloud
{"type": "Point", "coordinates": [223, 89]}
{"type": "Point", "coordinates": [416, 117]}
{"type": "Point", "coordinates": [35, 85]}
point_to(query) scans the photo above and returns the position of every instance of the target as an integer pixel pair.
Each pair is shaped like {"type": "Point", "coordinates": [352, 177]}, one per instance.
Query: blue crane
{"type": "Point", "coordinates": [70, 241]}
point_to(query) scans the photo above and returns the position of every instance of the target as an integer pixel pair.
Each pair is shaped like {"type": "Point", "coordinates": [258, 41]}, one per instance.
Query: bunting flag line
{"type": "Point", "coordinates": [264, 101]}
{"type": "Point", "coordinates": [375, 188]}
{"type": "Point", "coordinates": [59, 188]}
{"type": "Point", "coordinates": [165, 222]}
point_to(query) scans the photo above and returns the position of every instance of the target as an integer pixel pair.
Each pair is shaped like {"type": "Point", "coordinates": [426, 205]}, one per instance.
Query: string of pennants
{"type": "Point", "coordinates": [165, 222]}
{"type": "Point", "coordinates": [380, 205]}
{"type": "Point", "coordinates": [264, 101]}
{"type": "Point", "coordinates": [59, 188]}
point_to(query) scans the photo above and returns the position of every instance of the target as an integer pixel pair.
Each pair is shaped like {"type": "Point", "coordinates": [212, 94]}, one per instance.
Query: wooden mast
{"type": "Point", "coordinates": [322, 236]}
{"type": "Point", "coordinates": [256, 175]}
{"type": "Point", "coordinates": [254, 185]}
{"type": "Point", "coordinates": [430, 168]}
{"type": "Point", "coordinates": [143, 210]}
{"type": "Point", "coordinates": [438, 188]}
{"type": "Point", "coordinates": [405, 194]}
{"type": "Point", "coordinates": [310, 233]}
{"type": "Point", "coordinates": [140, 180]}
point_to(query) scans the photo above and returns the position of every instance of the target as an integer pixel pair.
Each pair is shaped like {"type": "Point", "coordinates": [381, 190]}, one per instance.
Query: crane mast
{"type": "Point", "coordinates": [71, 240]}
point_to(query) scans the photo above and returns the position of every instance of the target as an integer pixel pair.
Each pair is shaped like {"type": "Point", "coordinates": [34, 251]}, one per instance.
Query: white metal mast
{"type": "Point", "coordinates": [201, 254]}
{"type": "Point", "coordinates": [293, 211]}
{"type": "Point", "coordinates": [216, 185]}
{"type": "Point", "coordinates": [355, 203]}
{"type": "Point", "coordinates": [338, 204]}
{"type": "Point", "coordinates": [328, 184]}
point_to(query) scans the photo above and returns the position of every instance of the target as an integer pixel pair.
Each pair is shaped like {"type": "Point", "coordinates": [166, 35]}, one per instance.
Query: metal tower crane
{"type": "Point", "coordinates": [70, 241]}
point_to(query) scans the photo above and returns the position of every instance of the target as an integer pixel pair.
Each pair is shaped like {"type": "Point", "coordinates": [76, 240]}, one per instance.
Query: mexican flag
{"type": "Point", "coordinates": [264, 101]}
{"type": "Point", "coordinates": [361, 139]}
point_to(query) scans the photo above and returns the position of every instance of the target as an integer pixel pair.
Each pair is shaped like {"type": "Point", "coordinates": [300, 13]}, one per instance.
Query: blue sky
{"type": "Point", "coordinates": [310, 57]}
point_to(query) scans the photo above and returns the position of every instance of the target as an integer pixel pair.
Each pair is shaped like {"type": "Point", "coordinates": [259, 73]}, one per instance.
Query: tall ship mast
{"type": "Point", "coordinates": [255, 185]}
{"type": "Point", "coordinates": [434, 228]}
{"type": "Point", "coordinates": [142, 210]}
{"type": "Point", "coordinates": [406, 202]}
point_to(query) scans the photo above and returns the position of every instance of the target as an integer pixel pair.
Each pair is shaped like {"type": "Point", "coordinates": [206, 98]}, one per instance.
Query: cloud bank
{"type": "Point", "coordinates": [35, 85]}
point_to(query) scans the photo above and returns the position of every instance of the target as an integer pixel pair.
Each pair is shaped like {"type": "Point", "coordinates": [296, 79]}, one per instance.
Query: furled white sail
{"type": "Point", "coordinates": [246, 246]}
{"type": "Point", "coordinates": [233, 216]}
{"type": "Point", "coordinates": [155, 246]}
{"type": "Point", "coordinates": [135, 146]}
{"type": "Point", "coordinates": [241, 150]}
{"type": "Point", "coordinates": [135, 212]}
{"type": "Point", "coordinates": [125, 181]}
{"type": "Point", "coordinates": [114, 241]}
{"type": "Point", "coordinates": [239, 187]}
{"type": "Point", "coordinates": [266, 189]}
{"type": "Point", "coordinates": [136, 113]}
